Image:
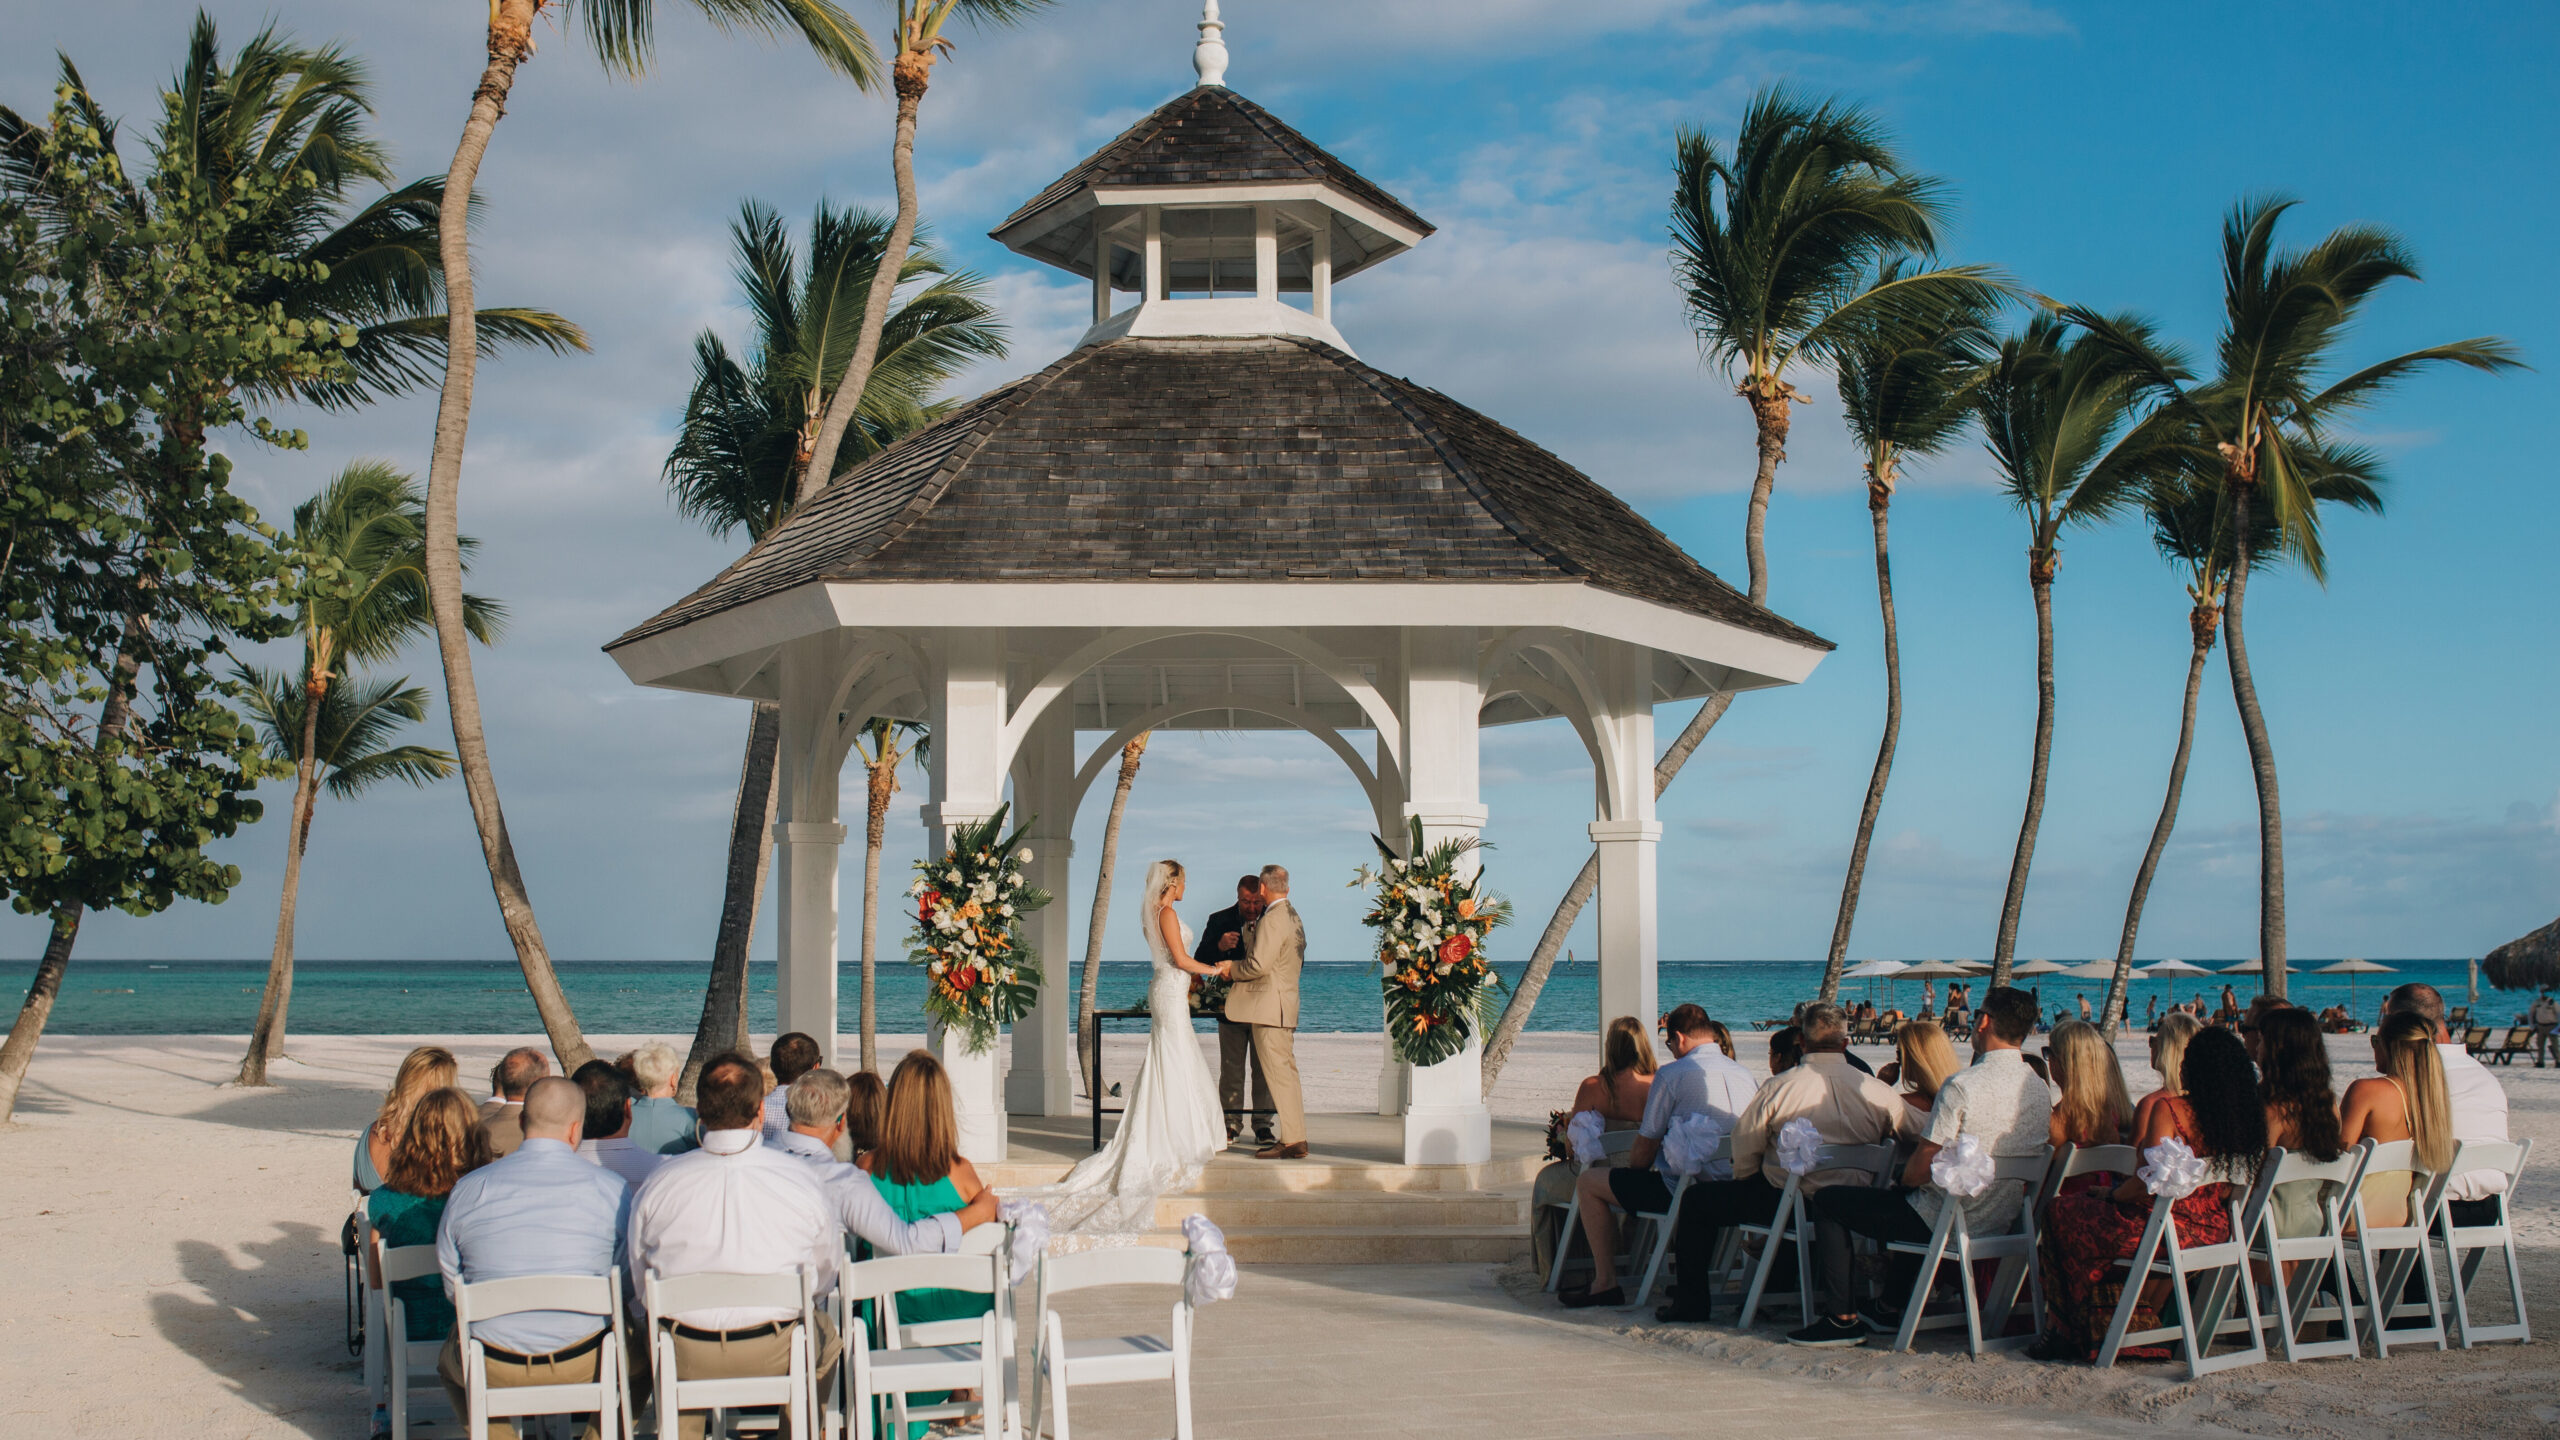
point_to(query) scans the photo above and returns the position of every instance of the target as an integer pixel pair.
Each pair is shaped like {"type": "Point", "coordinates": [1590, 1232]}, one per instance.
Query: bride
{"type": "Point", "coordinates": [1173, 1122]}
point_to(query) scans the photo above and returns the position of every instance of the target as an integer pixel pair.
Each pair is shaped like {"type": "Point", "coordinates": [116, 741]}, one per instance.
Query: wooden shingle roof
{"type": "Point", "coordinates": [1246, 458]}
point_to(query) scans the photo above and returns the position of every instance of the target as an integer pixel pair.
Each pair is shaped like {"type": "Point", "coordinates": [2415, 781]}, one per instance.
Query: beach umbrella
{"type": "Point", "coordinates": [2094, 970]}
{"type": "Point", "coordinates": [2168, 968]}
{"type": "Point", "coordinates": [2351, 968]}
{"type": "Point", "coordinates": [2046, 967]}
{"type": "Point", "coordinates": [1874, 970]}
{"type": "Point", "coordinates": [1936, 970]}
{"type": "Point", "coordinates": [2252, 967]}
{"type": "Point", "coordinates": [2523, 964]}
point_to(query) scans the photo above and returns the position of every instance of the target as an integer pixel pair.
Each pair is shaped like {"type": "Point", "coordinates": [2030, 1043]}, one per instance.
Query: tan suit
{"type": "Point", "coordinates": [504, 1120]}
{"type": "Point", "coordinates": [1266, 997]}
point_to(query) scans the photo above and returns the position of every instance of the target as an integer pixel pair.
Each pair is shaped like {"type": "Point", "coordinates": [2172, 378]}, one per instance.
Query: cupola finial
{"type": "Point", "coordinates": [1209, 57]}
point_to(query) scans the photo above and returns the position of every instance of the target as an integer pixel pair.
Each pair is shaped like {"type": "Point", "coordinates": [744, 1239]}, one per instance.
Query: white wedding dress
{"type": "Point", "coordinates": [1172, 1123]}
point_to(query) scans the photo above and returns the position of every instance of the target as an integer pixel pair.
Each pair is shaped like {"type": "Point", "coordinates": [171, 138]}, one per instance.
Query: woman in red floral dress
{"type": "Point", "coordinates": [2085, 1234]}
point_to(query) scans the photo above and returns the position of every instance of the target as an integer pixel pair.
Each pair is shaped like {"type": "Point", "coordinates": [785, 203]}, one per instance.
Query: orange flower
{"type": "Point", "coordinates": [1466, 909]}
{"type": "Point", "coordinates": [1421, 1022]}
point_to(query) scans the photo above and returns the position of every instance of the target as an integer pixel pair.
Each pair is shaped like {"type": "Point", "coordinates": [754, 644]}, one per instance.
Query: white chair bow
{"type": "Point", "coordinates": [2172, 1170]}
{"type": "Point", "coordinates": [1584, 1131]}
{"type": "Point", "coordinates": [1030, 1222]}
{"type": "Point", "coordinates": [1211, 1276]}
{"type": "Point", "coordinates": [1963, 1169]}
{"type": "Point", "coordinates": [1799, 1147]}
{"type": "Point", "coordinates": [1690, 1144]}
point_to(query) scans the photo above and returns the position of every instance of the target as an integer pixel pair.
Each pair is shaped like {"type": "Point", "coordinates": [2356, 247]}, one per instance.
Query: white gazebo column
{"type": "Point", "coordinates": [1042, 1077]}
{"type": "Point", "coordinates": [1445, 1122]}
{"type": "Point", "coordinates": [807, 842]}
{"type": "Point", "coordinates": [966, 697]}
{"type": "Point", "coordinates": [1394, 1076]}
{"type": "Point", "coordinates": [1627, 835]}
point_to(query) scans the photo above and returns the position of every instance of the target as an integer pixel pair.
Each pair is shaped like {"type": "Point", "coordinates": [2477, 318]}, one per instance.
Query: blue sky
{"type": "Point", "coordinates": [2093, 149]}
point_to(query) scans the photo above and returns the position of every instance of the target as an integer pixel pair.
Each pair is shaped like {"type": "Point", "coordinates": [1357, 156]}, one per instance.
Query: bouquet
{"type": "Point", "coordinates": [982, 972]}
{"type": "Point", "coordinates": [1209, 995]}
{"type": "Point", "coordinates": [1432, 924]}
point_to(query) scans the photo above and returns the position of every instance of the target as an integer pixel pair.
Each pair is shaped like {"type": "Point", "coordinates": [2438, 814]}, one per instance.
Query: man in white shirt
{"type": "Point", "coordinates": [608, 1141]}
{"type": "Point", "coordinates": [794, 1055]}
{"type": "Point", "coordinates": [1701, 1080]}
{"type": "Point", "coordinates": [739, 1206]}
{"type": "Point", "coordinates": [2479, 1105]}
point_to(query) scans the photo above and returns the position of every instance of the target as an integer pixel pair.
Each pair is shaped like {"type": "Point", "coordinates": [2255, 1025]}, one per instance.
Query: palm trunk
{"type": "Point", "coordinates": [723, 1025]}
{"type": "Point", "coordinates": [510, 41]}
{"type": "Point", "coordinates": [2040, 563]}
{"type": "Point", "coordinates": [883, 785]}
{"type": "Point", "coordinates": [1771, 417]}
{"type": "Point", "coordinates": [2262, 759]}
{"type": "Point", "coordinates": [2111, 1015]}
{"type": "Point", "coordinates": [266, 1041]}
{"type": "Point", "coordinates": [1090, 984]}
{"type": "Point", "coordinates": [912, 73]}
{"type": "Point", "coordinates": [1879, 498]}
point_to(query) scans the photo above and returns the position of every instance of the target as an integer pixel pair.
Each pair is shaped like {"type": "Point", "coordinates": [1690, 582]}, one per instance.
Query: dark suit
{"type": "Point", "coordinates": [1235, 1042]}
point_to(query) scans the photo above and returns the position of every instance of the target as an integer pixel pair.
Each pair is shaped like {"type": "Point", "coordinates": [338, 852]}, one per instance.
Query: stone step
{"type": "Point", "coordinates": [1239, 1171]}
{"type": "Point", "coordinates": [1236, 1210]}
{"type": "Point", "coordinates": [1366, 1245]}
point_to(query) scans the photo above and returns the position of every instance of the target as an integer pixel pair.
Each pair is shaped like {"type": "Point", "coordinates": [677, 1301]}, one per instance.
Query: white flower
{"type": "Point", "coordinates": [1013, 882]}
{"type": "Point", "coordinates": [1023, 855]}
{"type": "Point", "coordinates": [1444, 969]}
{"type": "Point", "coordinates": [1396, 865]}
{"type": "Point", "coordinates": [1004, 909]}
{"type": "Point", "coordinates": [935, 967]}
{"type": "Point", "coordinates": [951, 875]}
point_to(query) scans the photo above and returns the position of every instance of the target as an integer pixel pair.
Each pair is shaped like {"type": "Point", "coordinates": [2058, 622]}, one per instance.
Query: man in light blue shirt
{"type": "Point", "coordinates": [543, 1210]}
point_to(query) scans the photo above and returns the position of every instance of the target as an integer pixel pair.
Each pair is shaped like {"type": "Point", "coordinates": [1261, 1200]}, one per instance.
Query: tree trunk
{"type": "Point", "coordinates": [1879, 499]}
{"type": "Point", "coordinates": [1771, 417]}
{"type": "Point", "coordinates": [912, 73]}
{"type": "Point", "coordinates": [2262, 759]}
{"type": "Point", "coordinates": [2040, 566]}
{"type": "Point", "coordinates": [266, 1041]}
{"type": "Point", "coordinates": [723, 1025]}
{"type": "Point", "coordinates": [883, 781]}
{"type": "Point", "coordinates": [1090, 984]}
{"type": "Point", "coordinates": [2111, 1015]}
{"type": "Point", "coordinates": [510, 41]}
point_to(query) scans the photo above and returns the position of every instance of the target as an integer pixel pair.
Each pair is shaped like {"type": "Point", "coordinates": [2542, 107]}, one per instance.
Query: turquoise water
{"type": "Point", "coordinates": [412, 997]}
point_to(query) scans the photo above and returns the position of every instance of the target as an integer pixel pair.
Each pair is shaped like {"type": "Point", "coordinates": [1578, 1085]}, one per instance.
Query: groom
{"type": "Point", "coordinates": [1266, 997]}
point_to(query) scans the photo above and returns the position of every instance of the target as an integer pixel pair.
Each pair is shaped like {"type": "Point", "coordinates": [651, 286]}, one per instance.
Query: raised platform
{"type": "Point", "coordinates": [1353, 1201]}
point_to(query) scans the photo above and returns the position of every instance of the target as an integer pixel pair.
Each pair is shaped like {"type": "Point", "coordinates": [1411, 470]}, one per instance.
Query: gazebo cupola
{"type": "Point", "coordinates": [1217, 216]}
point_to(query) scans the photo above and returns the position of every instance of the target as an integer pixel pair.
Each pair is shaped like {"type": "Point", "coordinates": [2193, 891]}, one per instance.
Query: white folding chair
{"type": "Point", "coordinates": [1792, 1224]}
{"type": "Point", "coordinates": [968, 1354]}
{"type": "Point", "coordinates": [1664, 1221]}
{"type": "Point", "coordinates": [1062, 1364]}
{"type": "Point", "coordinates": [1952, 1240]}
{"type": "Point", "coordinates": [2402, 1252]}
{"type": "Point", "coordinates": [794, 1390]}
{"type": "Point", "coordinates": [1614, 1144]}
{"type": "Point", "coordinates": [369, 1293]}
{"type": "Point", "coordinates": [2477, 1241]}
{"type": "Point", "coordinates": [2306, 1275]}
{"type": "Point", "coordinates": [407, 1364]}
{"type": "Point", "coordinates": [2203, 1279]}
{"type": "Point", "coordinates": [607, 1397]}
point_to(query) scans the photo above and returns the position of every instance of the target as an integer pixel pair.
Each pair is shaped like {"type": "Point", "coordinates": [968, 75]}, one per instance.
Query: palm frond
{"type": "Point", "coordinates": [623, 33]}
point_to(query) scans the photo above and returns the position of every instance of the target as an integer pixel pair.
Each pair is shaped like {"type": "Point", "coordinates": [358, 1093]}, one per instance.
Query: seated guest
{"type": "Point", "coordinates": [1786, 1048]}
{"type": "Point", "coordinates": [2090, 1108]}
{"type": "Point", "coordinates": [1617, 1096]}
{"type": "Point", "coordinates": [820, 1110]}
{"type": "Point", "coordinates": [539, 1211]}
{"type": "Point", "coordinates": [920, 1172]}
{"type": "Point", "coordinates": [2407, 1101]}
{"type": "Point", "coordinates": [794, 1055]}
{"type": "Point", "coordinates": [1700, 1080]}
{"type": "Point", "coordinates": [863, 1103]}
{"type": "Point", "coordinates": [1892, 1019]}
{"type": "Point", "coordinates": [509, 1079]}
{"type": "Point", "coordinates": [1999, 1102]}
{"type": "Point", "coordinates": [2479, 1107]}
{"type": "Point", "coordinates": [2301, 1104]}
{"type": "Point", "coordinates": [607, 1127]}
{"type": "Point", "coordinates": [2168, 1052]}
{"type": "Point", "coordinates": [1845, 1108]}
{"type": "Point", "coordinates": [816, 1109]}
{"type": "Point", "coordinates": [738, 1206]}
{"type": "Point", "coordinates": [2220, 1119]}
{"type": "Point", "coordinates": [659, 1123]}
{"type": "Point", "coordinates": [1923, 1058]}
{"type": "Point", "coordinates": [425, 1069]}
{"type": "Point", "coordinates": [442, 1143]}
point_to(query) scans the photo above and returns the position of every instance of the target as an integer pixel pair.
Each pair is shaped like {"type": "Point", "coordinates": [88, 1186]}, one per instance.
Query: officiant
{"type": "Point", "coordinates": [1223, 938]}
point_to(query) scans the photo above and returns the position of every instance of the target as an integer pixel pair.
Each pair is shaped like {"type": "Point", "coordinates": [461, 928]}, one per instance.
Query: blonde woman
{"type": "Point", "coordinates": [2091, 1108]}
{"type": "Point", "coordinates": [441, 1140]}
{"type": "Point", "coordinates": [2407, 1101]}
{"type": "Point", "coordinates": [2168, 1050]}
{"type": "Point", "coordinates": [422, 1071]}
{"type": "Point", "coordinates": [1923, 1058]}
{"type": "Point", "coordinates": [1626, 1076]}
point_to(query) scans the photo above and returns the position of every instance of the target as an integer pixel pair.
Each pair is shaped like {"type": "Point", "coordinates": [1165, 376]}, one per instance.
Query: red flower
{"type": "Point", "coordinates": [964, 980]}
{"type": "Point", "coordinates": [1455, 948]}
{"type": "Point", "coordinates": [924, 907]}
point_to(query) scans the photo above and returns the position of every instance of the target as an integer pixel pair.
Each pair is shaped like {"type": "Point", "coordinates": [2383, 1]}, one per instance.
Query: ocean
{"type": "Point", "coordinates": [474, 997]}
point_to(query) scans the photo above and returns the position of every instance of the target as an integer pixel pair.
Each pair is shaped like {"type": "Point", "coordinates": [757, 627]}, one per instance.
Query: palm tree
{"type": "Point", "coordinates": [623, 35]}
{"type": "Point", "coordinates": [746, 432]}
{"type": "Point", "coordinates": [1907, 392]}
{"type": "Point", "coordinates": [1089, 986]}
{"type": "Point", "coordinates": [921, 41]}
{"type": "Point", "coordinates": [341, 736]}
{"type": "Point", "coordinates": [1772, 246]}
{"type": "Point", "coordinates": [2062, 416]}
{"type": "Point", "coordinates": [2271, 410]}
{"type": "Point", "coordinates": [364, 597]}
{"type": "Point", "coordinates": [888, 742]}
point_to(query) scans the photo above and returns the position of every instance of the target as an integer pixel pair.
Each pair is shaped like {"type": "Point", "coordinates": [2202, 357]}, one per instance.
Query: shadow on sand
{"type": "Point", "coordinates": [270, 1327]}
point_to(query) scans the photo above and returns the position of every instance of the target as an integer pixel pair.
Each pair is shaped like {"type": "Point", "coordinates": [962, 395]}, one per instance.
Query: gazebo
{"type": "Point", "coordinates": [1210, 514]}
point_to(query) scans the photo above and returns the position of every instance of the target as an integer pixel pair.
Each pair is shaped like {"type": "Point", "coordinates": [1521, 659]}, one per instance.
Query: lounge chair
{"type": "Point", "coordinates": [2519, 1042]}
{"type": "Point", "coordinates": [2476, 1039]}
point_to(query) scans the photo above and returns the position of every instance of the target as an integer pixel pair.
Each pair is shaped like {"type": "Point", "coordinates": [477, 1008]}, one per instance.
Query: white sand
{"type": "Point", "coordinates": [171, 1261]}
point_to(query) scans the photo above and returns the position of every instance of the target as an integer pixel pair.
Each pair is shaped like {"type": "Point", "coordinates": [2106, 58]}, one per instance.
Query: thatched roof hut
{"type": "Point", "coordinates": [2526, 964]}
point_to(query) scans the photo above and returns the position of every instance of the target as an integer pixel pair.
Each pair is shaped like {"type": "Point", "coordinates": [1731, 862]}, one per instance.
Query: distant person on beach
{"type": "Point", "coordinates": [503, 1112]}
{"type": "Point", "coordinates": [540, 1211]}
{"type": "Point", "coordinates": [659, 1123]}
{"type": "Point", "coordinates": [427, 1069]}
{"type": "Point", "coordinates": [2086, 1014]}
{"type": "Point", "coordinates": [2545, 1019]}
{"type": "Point", "coordinates": [794, 1055]}
{"type": "Point", "coordinates": [605, 1138]}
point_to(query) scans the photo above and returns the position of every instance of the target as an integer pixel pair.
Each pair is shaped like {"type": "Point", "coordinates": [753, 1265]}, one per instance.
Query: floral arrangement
{"type": "Point", "coordinates": [1209, 995]}
{"type": "Point", "coordinates": [982, 972]}
{"type": "Point", "coordinates": [1432, 924]}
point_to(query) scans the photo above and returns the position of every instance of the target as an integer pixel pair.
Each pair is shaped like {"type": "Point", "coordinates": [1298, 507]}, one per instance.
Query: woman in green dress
{"type": "Point", "coordinates": [442, 1143]}
{"type": "Point", "coordinates": [427, 1068]}
{"type": "Point", "coordinates": [917, 1166]}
